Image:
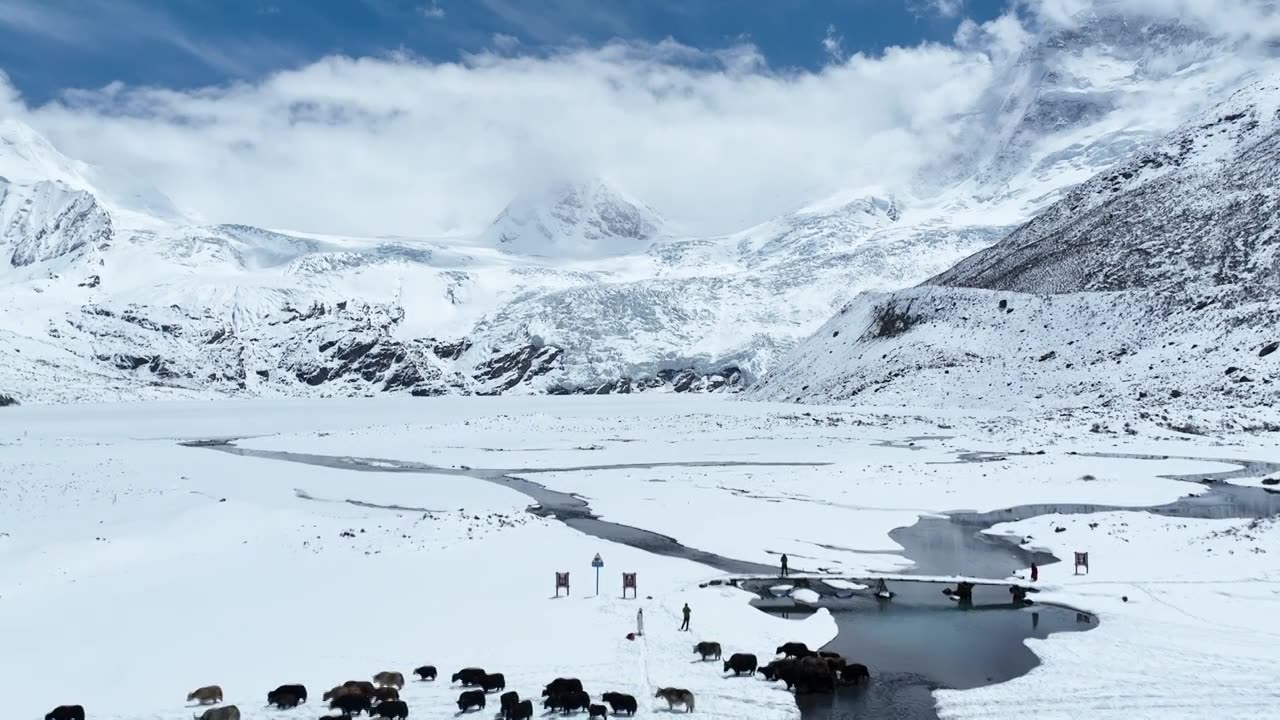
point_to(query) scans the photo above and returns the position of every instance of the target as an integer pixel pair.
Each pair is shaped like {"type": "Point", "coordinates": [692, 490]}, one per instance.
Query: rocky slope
{"type": "Point", "coordinates": [1154, 284]}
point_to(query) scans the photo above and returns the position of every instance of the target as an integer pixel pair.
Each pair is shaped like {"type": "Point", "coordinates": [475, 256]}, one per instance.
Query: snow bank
{"type": "Point", "coordinates": [1197, 635]}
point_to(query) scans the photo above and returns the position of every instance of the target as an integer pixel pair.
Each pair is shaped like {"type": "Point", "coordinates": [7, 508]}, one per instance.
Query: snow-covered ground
{"type": "Point", "coordinates": [136, 569]}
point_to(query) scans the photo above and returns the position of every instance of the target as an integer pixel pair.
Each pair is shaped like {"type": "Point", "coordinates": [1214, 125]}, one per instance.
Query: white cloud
{"type": "Point", "coordinates": [833, 44]}
{"type": "Point", "coordinates": [504, 42]}
{"type": "Point", "coordinates": [405, 146]}
{"type": "Point", "coordinates": [399, 145]}
{"type": "Point", "coordinates": [944, 8]}
{"type": "Point", "coordinates": [432, 11]}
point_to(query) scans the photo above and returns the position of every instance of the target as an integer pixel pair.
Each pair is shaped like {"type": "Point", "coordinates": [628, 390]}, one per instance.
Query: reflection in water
{"type": "Point", "coordinates": [913, 649]}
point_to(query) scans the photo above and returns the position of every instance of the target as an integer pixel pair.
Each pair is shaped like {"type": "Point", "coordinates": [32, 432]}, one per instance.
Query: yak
{"type": "Point", "coordinates": [521, 711]}
{"type": "Point", "coordinates": [298, 691]}
{"type": "Point", "coordinates": [493, 681]}
{"type": "Point", "coordinates": [569, 701]}
{"type": "Point", "coordinates": [392, 710]}
{"type": "Point", "coordinates": [471, 699]}
{"type": "Point", "coordinates": [794, 650]}
{"type": "Point", "coordinates": [283, 700]}
{"type": "Point", "coordinates": [389, 679]}
{"type": "Point", "coordinates": [352, 704]}
{"type": "Point", "coordinates": [855, 673]}
{"type": "Point", "coordinates": [620, 703]}
{"type": "Point", "coordinates": [708, 650]}
{"type": "Point", "coordinates": [67, 712]}
{"type": "Point", "coordinates": [229, 712]}
{"type": "Point", "coordinates": [209, 694]}
{"type": "Point", "coordinates": [561, 685]}
{"type": "Point", "coordinates": [469, 676]}
{"type": "Point", "coordinates": [676, 696]}
{"type": "Point", "coordinates": [741, 663]}
{"type": "Point", "coordinates": [386, 694]}
{"type": "Point", "coordinates": [426, 672]}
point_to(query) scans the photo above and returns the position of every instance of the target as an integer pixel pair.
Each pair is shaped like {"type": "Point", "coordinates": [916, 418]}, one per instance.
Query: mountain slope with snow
{"type": "Point", "coordinates": [111, 292]}
{"type": "Point", "coordinates": [1154, 284]}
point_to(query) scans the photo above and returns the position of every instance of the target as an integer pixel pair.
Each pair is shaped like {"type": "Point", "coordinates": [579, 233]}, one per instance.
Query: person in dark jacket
{"type": "Point", "coordinates": [1035, 572]}
{"type": "Point", "coordinates": [784, 565]}
{"type": "Point", "coordinates": [686, 611]}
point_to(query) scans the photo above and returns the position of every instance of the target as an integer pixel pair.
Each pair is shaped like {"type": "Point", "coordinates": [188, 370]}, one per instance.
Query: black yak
{"type": "Point", "coordinates": [773, 671]}
{"type": "Point", "coordinates": [298, 691]}
{"type": "Point", "coordinates": [741, 663]}
{"type": "Point", "coordinates": [352, 704]}
{"type": "Point", "coordinates": [283, 700]}
{"type": "Point", "coordinates": [364, 686]}
{"type": "Point", "coordinates": [493, 681]}
{"type": "Point", "coordinates": [66, 712]}
{"type": "Point", "coordinates": [392, 710]}
{"type": "Point", "coordinates": [471, 699]}
{"type": "Point", "coordinates": [386, 694]}
{"type": "Point", "coordinates": [620, 702]}
{"type": "Point", "coordinates": [794, 649]}
{"type": "Point", "coordinates": [426, 672]}
{"type": "Point", "coordinates": [561, 685]}
{"type": "Point", "coordinates": [855, 673]}
{"type": "Point", "coordinates": [572, 700]}
{"type": "Point", "coordinates": [596, 711]}
{"type": "Point", "coordinates": [469, 676]}
{"type": "Point", "coordinates": [523, 710]}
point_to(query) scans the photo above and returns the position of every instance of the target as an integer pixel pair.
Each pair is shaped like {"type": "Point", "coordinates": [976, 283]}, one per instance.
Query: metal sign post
{"type": "Point", "coordinates": [562, 581]}
{"type": "Point", "coordinates": [597, 563]}
{"type": "Point", "coordinates": [628, 583]}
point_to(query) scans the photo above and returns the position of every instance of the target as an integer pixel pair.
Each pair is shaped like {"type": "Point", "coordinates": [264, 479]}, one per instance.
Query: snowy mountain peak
{"type": "Point", "coordinates": [575, 219]}
{"type": "Point", "coordinates": [27, 157]}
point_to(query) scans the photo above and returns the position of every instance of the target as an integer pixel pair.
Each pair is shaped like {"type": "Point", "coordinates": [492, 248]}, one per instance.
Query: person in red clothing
{"type": "Point", "coordinates": [1035, 572]}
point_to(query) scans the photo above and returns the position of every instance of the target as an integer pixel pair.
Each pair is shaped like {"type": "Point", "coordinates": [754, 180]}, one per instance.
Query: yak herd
{"type": "Point", "coordinates": [800, 668]}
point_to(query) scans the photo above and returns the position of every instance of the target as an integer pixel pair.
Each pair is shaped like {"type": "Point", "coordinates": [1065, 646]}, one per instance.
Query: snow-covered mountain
{"type": "Point", "coordinates": [112, 292]}
{"type": "Point", "coordinates": [575, 220]}
{"type": "Point", "coordinates": [1155, 283]}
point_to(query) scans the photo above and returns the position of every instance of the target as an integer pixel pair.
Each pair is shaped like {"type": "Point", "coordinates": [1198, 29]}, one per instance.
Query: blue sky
{"type": "Point", "coordinates": [47, 46]}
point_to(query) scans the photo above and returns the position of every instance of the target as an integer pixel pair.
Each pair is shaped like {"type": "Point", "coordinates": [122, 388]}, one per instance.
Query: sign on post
{"type": "Point", "coordinates": [1082, 561]}
{"type": "Point", "coordinates": [628, 583]}
{"type": "Point", "coordinates": [597, 562]}
{"type": "Point", "coordinates": [562, 581]}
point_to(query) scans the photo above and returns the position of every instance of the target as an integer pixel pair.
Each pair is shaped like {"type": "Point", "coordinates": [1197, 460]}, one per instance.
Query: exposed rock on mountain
{"type": "Point", "coordinates": [1155, 283]}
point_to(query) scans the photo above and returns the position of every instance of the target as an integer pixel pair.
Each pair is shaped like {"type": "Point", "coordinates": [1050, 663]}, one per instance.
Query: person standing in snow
{"type": "Point", "coordinates": [784, 565]}
{"type": "Point", "coordinates": [1035, 572]}
{"type": "Point", "coordinates": [686, 611]}
{"type": "Point", "coordinates": [640, 622]}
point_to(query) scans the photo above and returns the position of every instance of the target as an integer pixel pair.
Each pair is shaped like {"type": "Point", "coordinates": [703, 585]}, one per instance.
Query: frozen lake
{"type": "Point", "coordinates": [107, 518]}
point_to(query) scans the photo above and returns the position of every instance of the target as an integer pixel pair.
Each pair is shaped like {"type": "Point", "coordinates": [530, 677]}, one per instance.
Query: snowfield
{"type": "Point", "coordinates": [168, 567]}
{"type": "Point", "coordinates": [1197, 636]}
